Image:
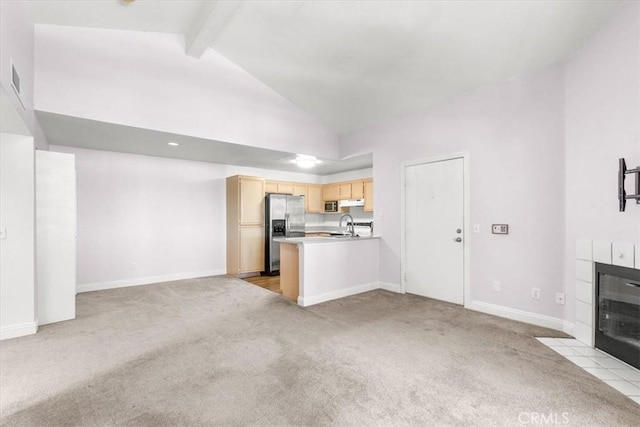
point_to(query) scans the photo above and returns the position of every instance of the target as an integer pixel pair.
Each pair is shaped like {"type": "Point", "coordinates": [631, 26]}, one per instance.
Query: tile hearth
{"type": "Point", "coordinates": [617, 374]}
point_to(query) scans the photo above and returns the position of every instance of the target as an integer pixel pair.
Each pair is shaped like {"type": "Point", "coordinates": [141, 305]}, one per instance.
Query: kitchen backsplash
{"type": "Point", "coordinates": [332, 219]}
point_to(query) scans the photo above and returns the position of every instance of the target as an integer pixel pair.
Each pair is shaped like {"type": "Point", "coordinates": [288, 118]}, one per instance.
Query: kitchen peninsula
{"type": "Point", "coordinates": [319, 269]}
{"type": "Point", "coordinates": [245, 218]}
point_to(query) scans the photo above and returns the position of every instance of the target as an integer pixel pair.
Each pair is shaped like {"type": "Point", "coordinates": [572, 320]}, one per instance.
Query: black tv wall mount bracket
{"type": "Point", "coordinates": [622, 194]}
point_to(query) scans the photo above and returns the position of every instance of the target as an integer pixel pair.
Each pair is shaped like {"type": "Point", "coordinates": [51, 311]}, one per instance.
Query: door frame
{"type": "Point", "coordinates": [465, 156]}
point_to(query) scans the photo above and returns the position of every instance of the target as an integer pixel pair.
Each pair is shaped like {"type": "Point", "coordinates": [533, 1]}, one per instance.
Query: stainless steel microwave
{"type": "Point", "coordinates": [331, 206]}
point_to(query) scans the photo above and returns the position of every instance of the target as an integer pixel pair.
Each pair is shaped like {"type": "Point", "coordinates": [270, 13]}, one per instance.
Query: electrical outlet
{"type": "Point", "coordinates": [496, 286]}
{"type": "Point", "coordinates": [535, 293]}
{"type": "Point", "coordinates": [134, 266]}
{"type": "Point", "coordinates": [560, 298]}
{"type": "Point", "coordinates": [476, 228]}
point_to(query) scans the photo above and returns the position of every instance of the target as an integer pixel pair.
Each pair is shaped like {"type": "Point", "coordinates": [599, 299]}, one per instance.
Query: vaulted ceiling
{"type": "Point", "coordinates": [353, 63]}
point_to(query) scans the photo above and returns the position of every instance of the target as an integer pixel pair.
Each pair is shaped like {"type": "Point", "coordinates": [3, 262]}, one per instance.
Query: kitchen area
{"type": "Point", "coordinates": [272, 225]}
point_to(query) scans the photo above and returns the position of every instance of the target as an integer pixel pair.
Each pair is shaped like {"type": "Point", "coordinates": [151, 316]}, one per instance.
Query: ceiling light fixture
{"type": "Point", "coordinates": [304, 161]}
{"type": "Point", "coordinates": [173, 144]}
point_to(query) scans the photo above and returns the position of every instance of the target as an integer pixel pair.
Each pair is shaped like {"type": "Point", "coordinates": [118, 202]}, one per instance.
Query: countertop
{"type": "Point", "coordinates": [323, 240]}
{"type": "Point", "coordinates": [324, 229]}
{"type": "Point", "coordinates": [366, 231]}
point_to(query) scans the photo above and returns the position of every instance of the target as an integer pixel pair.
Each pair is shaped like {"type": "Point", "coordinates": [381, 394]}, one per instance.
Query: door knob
{"type": "Point", "coordinates": [458, 231]}
{"type": "Point", "coordinates": [458, 239]}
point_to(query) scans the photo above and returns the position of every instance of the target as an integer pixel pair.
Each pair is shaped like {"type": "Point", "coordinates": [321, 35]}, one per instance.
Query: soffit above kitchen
{"type": "Point", "coordinates": [84, 133]}
{"type": "Point", "coordinates": [354, 63]}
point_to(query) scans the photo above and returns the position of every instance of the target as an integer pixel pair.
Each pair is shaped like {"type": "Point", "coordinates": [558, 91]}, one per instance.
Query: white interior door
{"type": "Point", "coordinates": [55, 236]}
{"type": "Point", "coordinates": [434, 233]}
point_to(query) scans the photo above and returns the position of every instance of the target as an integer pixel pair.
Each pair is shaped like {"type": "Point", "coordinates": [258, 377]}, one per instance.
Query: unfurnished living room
{"type": "Point", "coordinates": [314, 213]}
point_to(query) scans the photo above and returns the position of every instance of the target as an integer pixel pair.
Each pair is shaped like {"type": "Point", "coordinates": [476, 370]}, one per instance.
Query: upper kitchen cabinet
{"type": "Point", "coordinates": [331, 192]}
{"type": "Point", "coordinates": [312, 193]}
{"type": "Point", "coordinates": [345, 191]}
{"type": "Point", "coordinates": [279, 187]}
{"type": "Point", "coordinates": [300, 189]}
{"type": "Point", "coordinates": [245, 200]}
{"type": "Point", "coordinates": [285, 188]}
{"type": "Point", "coordinates": [270, 187]}
{"type": "Point", "coordinates": [357, 190]}
{"type": "Point", "coordinates": [368, 195]}
{"type": "Point", "coordinates": [251, 196]}
{"type": "Point", "coordinates": [314, 202]}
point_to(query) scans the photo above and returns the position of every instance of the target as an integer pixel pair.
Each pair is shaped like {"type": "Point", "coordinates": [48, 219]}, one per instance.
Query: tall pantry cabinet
{"type": "Point", "coordinates": [245, 225]}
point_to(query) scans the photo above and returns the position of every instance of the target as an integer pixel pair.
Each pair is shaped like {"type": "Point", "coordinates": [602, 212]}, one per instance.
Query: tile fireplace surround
{"type": "Point", "coordinates": [589, 252]}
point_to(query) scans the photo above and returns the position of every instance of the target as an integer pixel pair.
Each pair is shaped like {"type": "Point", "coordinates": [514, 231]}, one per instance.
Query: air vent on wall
{"type": "Point", "coordinates": [15, 83]}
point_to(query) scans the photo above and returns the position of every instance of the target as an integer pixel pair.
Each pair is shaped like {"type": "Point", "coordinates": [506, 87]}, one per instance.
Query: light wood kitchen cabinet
{"type": "Point", "coordinates": [251, 249]}
{"type": "Point", "coordinates": [251, 196]}
{"type": "Point", "coordinates": [300, 190]}
{"type": "Point", "coordinates": [279, 187]}
{"type": "Point", "coordinates": [368, 195]}
{"type": "Point", "coordinates": [285, 188]}
{"type": "Point", "coordinates": [270, 187]}
{"type": "Point", "coordinates": [245, 224]}
{"type": "Point", "coordinates": [357, 190]}
{"type": "Point", "coordinates": [345, 191]}
{"type": "Point", "coordinates": [331, 192]}
{"type": "Point", "coordinates": [314, 202]}
{"type": "Point", "coordinates": [289, 271]}
{"type": "Point", "coordinates": [312, 193]}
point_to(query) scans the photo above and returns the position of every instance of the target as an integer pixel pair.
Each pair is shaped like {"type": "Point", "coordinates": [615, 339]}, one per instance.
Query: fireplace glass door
{"type": "Point", "coordinates": [618, 312]}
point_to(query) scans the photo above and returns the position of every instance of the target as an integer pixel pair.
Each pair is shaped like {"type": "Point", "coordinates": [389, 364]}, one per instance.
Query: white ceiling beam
{"type": "Point", "coordinates": [208, 25]}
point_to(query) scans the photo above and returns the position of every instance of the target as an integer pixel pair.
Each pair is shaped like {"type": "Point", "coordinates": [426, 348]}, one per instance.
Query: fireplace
{"type": "Point", "coordinates": [617, 313]}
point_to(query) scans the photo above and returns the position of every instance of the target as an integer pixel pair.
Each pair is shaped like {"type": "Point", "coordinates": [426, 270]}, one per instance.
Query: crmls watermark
{"type": "Point", "coordinates": [543, 418]}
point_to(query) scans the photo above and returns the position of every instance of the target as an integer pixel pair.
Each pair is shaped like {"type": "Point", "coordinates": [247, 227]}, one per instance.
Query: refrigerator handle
{"type": "Point", "coordinates": [286, 224]}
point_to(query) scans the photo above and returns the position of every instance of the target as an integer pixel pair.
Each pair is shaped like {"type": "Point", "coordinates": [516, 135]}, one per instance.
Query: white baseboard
{"type": "Point", "coordinates": [391, 287]}
{"type": "Point", "coordinates": [354, 290]}
{"type": "Point", "coordinates": [522, 316]}
{"type": "Point", "coordinates": [19, 330]}
{"type": "Point", "coordinates": [341, 293]}
{"type": "Point", "coordinates": [137, 281]}
{"type": "Point", "coordinates": [569, 328]}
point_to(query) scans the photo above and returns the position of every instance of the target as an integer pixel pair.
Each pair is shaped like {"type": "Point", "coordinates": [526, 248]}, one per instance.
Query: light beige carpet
{"type": "Point", "coordinates": [220, 351]}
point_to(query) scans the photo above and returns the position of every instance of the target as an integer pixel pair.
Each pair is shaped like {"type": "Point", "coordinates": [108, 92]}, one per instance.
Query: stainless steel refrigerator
{"type": "Point", "coordinates": [284, 217]}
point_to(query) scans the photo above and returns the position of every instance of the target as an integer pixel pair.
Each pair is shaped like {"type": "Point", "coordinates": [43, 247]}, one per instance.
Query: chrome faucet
{"type": "Point", "coordinates": [351, 230]}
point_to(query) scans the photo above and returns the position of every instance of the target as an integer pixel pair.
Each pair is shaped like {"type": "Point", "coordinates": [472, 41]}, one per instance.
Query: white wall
{"type": "Point", "coordinates": [602, 125]}
{"type": "Point", "coordinates": [514, 133]}
{"type": "Point", "coordinates": [17, 249]}
{"type": "Point", "coordinates": [17, 44]}
{"type": "Point", "coordinates": [165, 216]}
{"type": "Point", "coordinates": [146, 80]}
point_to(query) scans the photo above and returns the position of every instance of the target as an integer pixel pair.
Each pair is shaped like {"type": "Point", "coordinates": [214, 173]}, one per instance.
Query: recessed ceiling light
{"type": "Point", "coordinates": [173, 144]}
{"type": "Point", "coordinates": [304, 161]}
